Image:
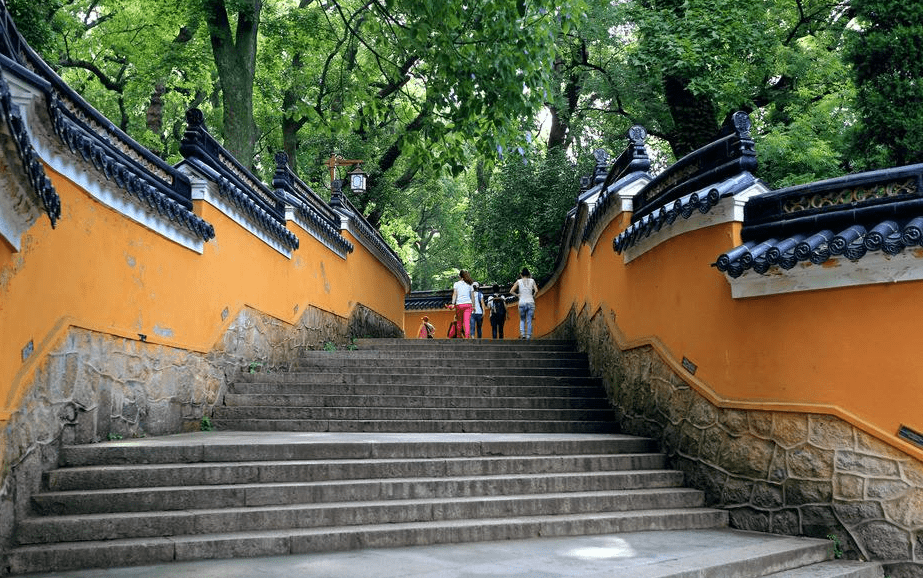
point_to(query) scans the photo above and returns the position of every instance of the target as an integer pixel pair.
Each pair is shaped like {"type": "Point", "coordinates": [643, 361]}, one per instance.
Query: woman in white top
{"type": "Point", "coordinates": [462, 299]}
{"type": "Point", "coordinates": [526, 288]}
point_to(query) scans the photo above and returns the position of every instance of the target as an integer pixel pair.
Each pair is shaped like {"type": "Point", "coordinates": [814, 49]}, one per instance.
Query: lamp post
{"type": "Point", "coordinates": [357, 177]}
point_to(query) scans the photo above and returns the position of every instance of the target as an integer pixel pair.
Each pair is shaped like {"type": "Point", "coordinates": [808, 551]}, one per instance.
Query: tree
{"type": "Point", "coordinates": [424, 87]}
{"type": "Point", "coordinates": [679, 68]}
{"type": "Point", "coordinates": [37, 21]}
{"type": "Point", "coordinates": [517, 220]}
{"type": "Point", "coordinates": [234, 53]}
{"type": "Point", "coordinates": [887, 57]}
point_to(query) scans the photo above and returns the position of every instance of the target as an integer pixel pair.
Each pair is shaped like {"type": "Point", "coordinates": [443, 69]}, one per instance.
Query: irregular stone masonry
{"type": "Point", "coordinates": [780, 472]}
{"type": "Point", "coordinates": [95, 386]}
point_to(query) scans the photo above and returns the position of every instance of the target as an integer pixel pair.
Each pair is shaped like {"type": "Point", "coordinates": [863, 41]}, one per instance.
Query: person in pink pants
{"type": "Point", "coordinates": [463, 300]}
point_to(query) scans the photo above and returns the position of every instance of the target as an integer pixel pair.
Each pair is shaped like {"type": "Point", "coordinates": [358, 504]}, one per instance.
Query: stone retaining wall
{"type": "Point", "coordinates": [96, 386]}
{"type": "Point", "coordinates": [782, 472]}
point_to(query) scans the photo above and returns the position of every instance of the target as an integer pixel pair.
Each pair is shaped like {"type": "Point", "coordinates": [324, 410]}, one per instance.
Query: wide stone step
{"type": "Point", "coordinates": [408, 413]}
{"type": "Point", "coordinates": [251, 472]}
{"type": "Point", "coordinates": [424, 384]}
{"type": "Point", "coordinates": [439, 373]}
{"type": "Point", "coordinates": [240, 495]}
{"type": "Point", "coordinates": [420, 426]}
{"type": "Point", "coordinates": [224, 446]}
{"type": "Point", "coordinates": [476, 355]}
{"type": "Point", "coordinates": [411, 401]}
{"type": "Point", "coordinates": [156, 550]}
{"type": "Point", "coordinates": [465, 345]}
{"type": "Point", "coordinates": [833, 569]}
{"type": "Point", "coordinates": [767, 558]}
{"type": "Point", "coordinates": [112, 526]}
{"type": "Point", "coordinates": [412, 359]}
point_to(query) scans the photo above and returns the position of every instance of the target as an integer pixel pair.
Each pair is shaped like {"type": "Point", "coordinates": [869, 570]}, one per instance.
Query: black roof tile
{"type": "Point", "coordinates": [877, 211]}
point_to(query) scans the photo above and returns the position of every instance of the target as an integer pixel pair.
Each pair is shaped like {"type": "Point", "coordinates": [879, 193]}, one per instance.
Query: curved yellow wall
{"type": "Point", "coordinates": [850, 352]}
{"type": "Point", "coordinates": [101, 271]}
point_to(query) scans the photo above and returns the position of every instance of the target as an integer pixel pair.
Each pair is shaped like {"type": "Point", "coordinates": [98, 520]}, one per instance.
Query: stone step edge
{"type": "Point", "coordinates": [834, 569]}
{"type": "Point", "coordinates": [204, 474]}
{"type": "Point", "coordinates": [392, 399]}
{"type": "Point", "coordinates": [368, 413]}
{"type": "Point", "coordinates": [562, 384]}
{"type": "Point", "coordinates": [775, 555]}
{"type": "Point", "coordinates": [416, 426]}
{"type": "Point", "coordinates": [134, 552]}
{"type": "Point", "coordinates": [354, 461]}
{"type": "Point", "coordinates": [643, 478]}
{"type": "Point", "coordinates": [432, 508]}
{"type": "Point", "coordinates": [210, 452]}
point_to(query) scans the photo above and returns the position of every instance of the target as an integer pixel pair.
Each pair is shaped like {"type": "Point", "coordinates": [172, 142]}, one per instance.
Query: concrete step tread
{"type": "Point", "coordinates": [538, 525]}
{"type": "Point", "coordinates": [834, 569]}
{"type": "Point", "coordinates": [418, 426]}
{"type": "Point", "coordinates": [165, 498]}
{"type": "Point", "coordinates": [233, 399]}
{"type": "Point", "coordinates": [628, 495]}
{"type": "Point", "coordinates": [385, 342]}
{"type": "Point", "coordinates": [385, 413]}
{"type": "Point", "coordinates": [51, 529]}
{"type": "Point", "coordinates": [473, 354]}
{"type": "Point", "coordinates": [352, 462]}
{"type": "Point", "coordinates": [750, 561]}
{"type": "Point", "coordinates": [227, 446]}
{"type": "Point", "coordinates": [374, 384]}
{"type": "Point", "coordinates": [210, 473]}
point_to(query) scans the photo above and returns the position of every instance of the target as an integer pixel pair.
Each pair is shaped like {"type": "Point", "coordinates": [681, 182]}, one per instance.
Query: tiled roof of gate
{"type": "Point", "coordinates": [878, 211]}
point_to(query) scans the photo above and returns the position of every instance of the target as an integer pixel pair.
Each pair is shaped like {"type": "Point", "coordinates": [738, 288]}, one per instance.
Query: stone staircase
{"type": "Point", "coordinates": [398, 443]}
{"type": "Point", "coordinates": [401, 385]}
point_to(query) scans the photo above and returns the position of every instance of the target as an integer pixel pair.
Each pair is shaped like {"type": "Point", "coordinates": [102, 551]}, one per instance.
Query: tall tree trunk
{"type": "Point", "coordinates": [235, 59]}
{"type": "Point", "coordinates": [560, 135]}
{"type": "Point", "coordinates": [290, 124]}
{"type": "Point", "coordinates": [695, 121]}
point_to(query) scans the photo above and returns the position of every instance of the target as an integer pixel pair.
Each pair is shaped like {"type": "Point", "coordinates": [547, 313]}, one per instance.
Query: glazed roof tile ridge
{"type": "Point", "coordinates": [850, 216]}
{"type": "Point", "coordinates": [684, 207]}
{"type": "Point", "coordinates": [855, 242]}
{"type": "Point", "coordinates": [631, 165]}
{"type": "Point", "coordinates": [731, 153]}
{"type": "Point", "coordinates": [41, 185]}
{"type": "Point", "coordinates": [314, 211]}
{"type": "Point", "coordinates": [431, 299]}
{"type": "Point", "coordinates": [145, 176]}
{"type": "Point", "coordinates": [341, 205]}
{"type": "Point", "coordinates": [440, 298]}
{"type": "Point", "coordinates": [235, 183]}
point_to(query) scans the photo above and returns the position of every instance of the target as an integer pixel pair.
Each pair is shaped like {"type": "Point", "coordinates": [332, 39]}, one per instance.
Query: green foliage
{"type": "Point", "coordinates": [802, 133]}
{"type": "Point", "coordinates": [432, 95]}
{"type": "Point", "coordinates": [330, 346]}
{"type": "Point", "coordinates": [887, 57]}
{"type": "Point", "coordinates": [37, 20]}
{"type": "Point", "coordinates": [206, 424]}
{"type": "Point", "coordinates": [517, 220]}
{"type": "Point", "coordinates": [430, 226]}
{"type": "Point", "coordinates": [837, 546]}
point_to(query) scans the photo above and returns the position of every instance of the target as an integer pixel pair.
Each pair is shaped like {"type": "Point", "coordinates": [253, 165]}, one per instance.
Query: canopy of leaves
{"type": "Point", "coordinates": [517, 221]}
{"type": "Point", "coordinates": [887, 56]}
{"type": "Point", "coordinates": [433, 96]}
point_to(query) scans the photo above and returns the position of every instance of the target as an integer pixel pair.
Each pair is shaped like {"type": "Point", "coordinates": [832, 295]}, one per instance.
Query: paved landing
{"type": "Point", "coordinates": [647, 554]}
